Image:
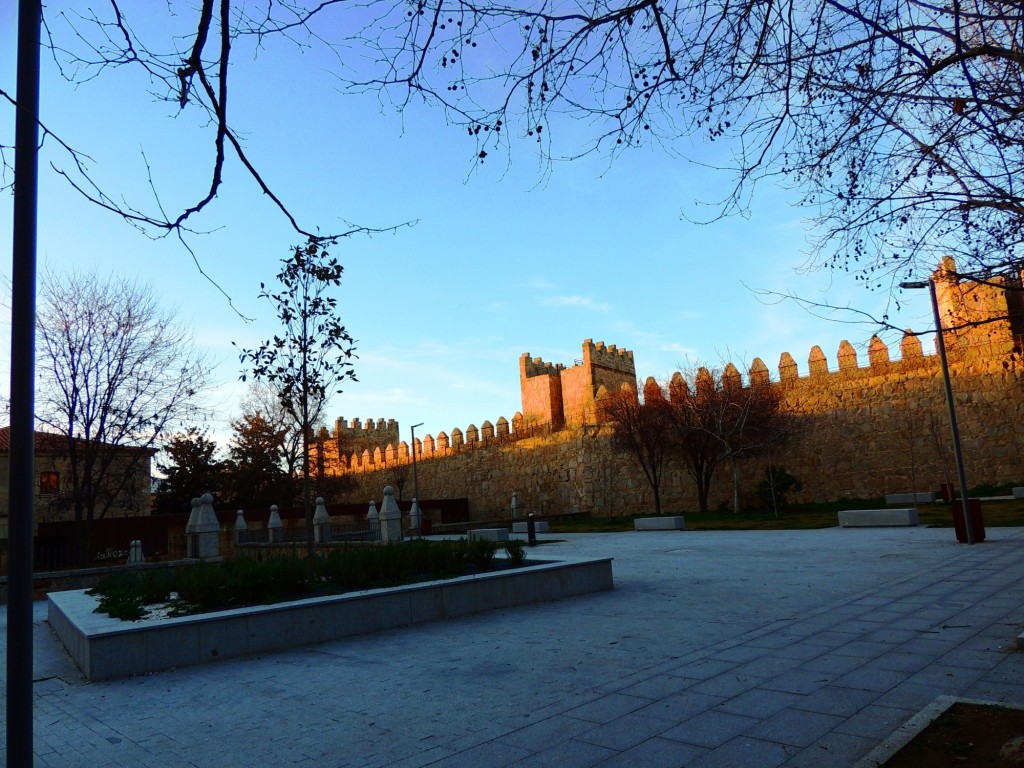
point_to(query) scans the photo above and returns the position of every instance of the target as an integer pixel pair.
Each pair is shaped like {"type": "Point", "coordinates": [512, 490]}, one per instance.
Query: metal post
{"type": "Point", "coordinates": [23, 326]}
{"type": "Point", "coordinates": [415, 474]}
{"type": "Point", "coordinates": [954, 430]}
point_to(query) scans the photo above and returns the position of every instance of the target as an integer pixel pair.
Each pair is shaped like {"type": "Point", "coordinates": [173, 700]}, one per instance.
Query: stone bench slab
{"type": "Point", "coordinates": [669, 523]}
{"type": "Point", "coordinates": [924, 497]}
{"type": "Point", "coordinates": [877, 518]}
{"type": "Point", "coordinates": [491, 534]}
{"type": "Point", "coordinates": [540, 526]}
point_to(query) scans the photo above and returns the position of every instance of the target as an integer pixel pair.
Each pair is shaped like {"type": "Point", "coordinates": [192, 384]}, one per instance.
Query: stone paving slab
{"type": "Point", "coordinates": [800, 649]}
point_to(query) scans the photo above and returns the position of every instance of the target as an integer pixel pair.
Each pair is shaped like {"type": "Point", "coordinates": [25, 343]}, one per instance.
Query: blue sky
{"type": "Point", "coordinates": [502, 258]}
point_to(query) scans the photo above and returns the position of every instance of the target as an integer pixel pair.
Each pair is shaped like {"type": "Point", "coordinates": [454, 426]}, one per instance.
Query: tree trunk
{"type": "Point", "coordinates": [306, 506]}
{"type": "Point", "coordinates": [735, 486]}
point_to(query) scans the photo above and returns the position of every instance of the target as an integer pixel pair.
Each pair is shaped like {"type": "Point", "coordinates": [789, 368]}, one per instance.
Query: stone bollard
{"type": "Point", "coordinates": [135, 555]}
{"type": "Point", "coordinates": [275, 528]}
{"type": "Point", "coordinates": [190, 530]}
{"type": "Point", "coordinates": [240, 527]}
{"type": "Point", "coordinates": [207, 530]}
{"type": "Point", "coordinates": [517, 509]}
{"type": "Point", "coordinates": [321, 522]}
{"type": "Point", "coordinates": [415, 517]}
{"type": "Point", "coordinates": [373, 520]}
{"type": "Point", "coordinates": [390, 517]}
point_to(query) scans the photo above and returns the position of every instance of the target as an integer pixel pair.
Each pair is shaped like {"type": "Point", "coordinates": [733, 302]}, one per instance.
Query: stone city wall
{"type": "Point", "coordinates": [862, 432]}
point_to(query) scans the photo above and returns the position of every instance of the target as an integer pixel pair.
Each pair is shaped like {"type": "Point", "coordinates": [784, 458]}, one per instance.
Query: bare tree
{"type": "Point", "coordinates": [643, 428]}
{"type": "Point", "coordinates": [718, 419]}
{"type": "Point", "coordinates": [116, 374]}
{"type": "Point", "coordinates": [698, 407]}
{"type": "Point", "coordinates": [749, 420]}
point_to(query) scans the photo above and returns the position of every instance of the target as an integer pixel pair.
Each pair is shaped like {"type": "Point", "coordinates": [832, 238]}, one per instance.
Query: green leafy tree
{"type": "Point", "coordinates": [190, 468]}
{"type": "Point", "coordinates": [312, 357]}
{"type": "Point", "coordinates": [256, 477]}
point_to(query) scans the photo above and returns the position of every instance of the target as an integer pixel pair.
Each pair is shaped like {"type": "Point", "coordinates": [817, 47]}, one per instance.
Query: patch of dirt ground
{"type": "Point", "coordinates": [975, 735]}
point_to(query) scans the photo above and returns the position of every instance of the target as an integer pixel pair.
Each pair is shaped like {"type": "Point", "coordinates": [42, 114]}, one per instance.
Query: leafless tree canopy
{"type": "Point", "coordinates": [718, 419]}
{"type": "Point", "coordinates": [898, 120]}
{"type": "Point", "coordinates": [117, 373]}
{"type": "Point", "coordinates": [643, 428]}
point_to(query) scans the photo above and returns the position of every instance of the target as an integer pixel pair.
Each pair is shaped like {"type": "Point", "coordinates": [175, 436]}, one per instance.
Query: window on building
{"type": "Point", "coordinates": [49, 483]}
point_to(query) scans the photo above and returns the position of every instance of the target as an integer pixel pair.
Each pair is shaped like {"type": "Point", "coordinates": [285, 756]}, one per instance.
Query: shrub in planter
{"type": "Point", "coordinates": [481, 552]}
{"type": "Point", "coordinates": [516, 551]}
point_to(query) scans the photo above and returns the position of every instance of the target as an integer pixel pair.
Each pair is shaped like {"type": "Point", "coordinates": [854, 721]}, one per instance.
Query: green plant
{"type": "Point", "coordinates": [773, 489]}
{"type": "Point", "coordinates": [251, 581]}
{"type": "Point", "coordinates": [481, 552]}
{"type": "Point", "coordinates": [516, 551]}
{"type": "Point", "coordinates": [447, 557]}
{"type": "Point", "coordinates": [156, 586]}
{"type": "Point", "coordinates": [200, 587]}
{"type": "Point", "coordinates": [120, 597]}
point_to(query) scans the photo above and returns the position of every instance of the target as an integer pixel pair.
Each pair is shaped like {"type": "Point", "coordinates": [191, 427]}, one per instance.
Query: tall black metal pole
{"type": "Point", "coordinates": [958, 455]}
{"type": "Point", "coordinates": [23, 324]}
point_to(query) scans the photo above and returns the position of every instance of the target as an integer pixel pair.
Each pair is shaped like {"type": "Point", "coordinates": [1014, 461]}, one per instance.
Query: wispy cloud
{"type": "Point", "coordinates": [584, 302]}
{"type": "Point", "coordinates": [677, 348]}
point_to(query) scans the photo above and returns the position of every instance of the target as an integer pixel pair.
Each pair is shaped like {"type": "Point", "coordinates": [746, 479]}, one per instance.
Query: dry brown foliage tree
{"type": "Point", "coordinates": [642, 427]}
{"type": "Point", "coordinates": [719, 419]}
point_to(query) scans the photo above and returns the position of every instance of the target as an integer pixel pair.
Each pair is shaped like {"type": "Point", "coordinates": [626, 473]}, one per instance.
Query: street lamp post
{"type": "Point", "coordinates": [954, 430]}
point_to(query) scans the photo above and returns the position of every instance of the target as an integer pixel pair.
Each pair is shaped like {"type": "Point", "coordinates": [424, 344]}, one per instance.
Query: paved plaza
{"type": "Point", "coordinates": [803, 649]}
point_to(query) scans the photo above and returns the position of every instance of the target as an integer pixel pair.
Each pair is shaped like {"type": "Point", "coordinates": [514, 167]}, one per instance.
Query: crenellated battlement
{"type": "Point", "coordinates": [535, 366]}
{"type": "Point", "coordinates": [608, 357]}
{"type": "Point", "coordinates": [361, 436]}
{"type": "Point", "coordinates": [350, 455]}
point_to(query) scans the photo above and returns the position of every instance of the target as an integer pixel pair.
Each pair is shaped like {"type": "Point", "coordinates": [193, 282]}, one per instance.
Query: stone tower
{"type": "Point", "coordinates": [555, 396]}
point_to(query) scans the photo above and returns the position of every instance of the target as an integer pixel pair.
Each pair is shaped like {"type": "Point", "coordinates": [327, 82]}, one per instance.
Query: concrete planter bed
{"type": "Point", "coordinates": [106, 648]}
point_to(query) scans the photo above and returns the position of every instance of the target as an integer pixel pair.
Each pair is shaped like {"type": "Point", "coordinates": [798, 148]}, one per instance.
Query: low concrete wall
{"type": "Point", "coordinates": [105, 648]}
{"type": "Point", "coordinates": [670, 523]}
{"type": "Point", "coordinates": [875, 518]}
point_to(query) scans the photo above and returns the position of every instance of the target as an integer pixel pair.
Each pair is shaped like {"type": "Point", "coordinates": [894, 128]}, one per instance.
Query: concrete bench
{"type": "Point", "coordinates": [491, 534]}
{"type": "Point", "coordinates": [924, 497]}
{"type": "Point", "coordinates": [539, 526]}
{"type": "Point", "coordinates": [1018, 492]}
{"type": "Point", "coordinates": [671, 523]}
{"type": "Point", "coordinates": [876, 518]}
